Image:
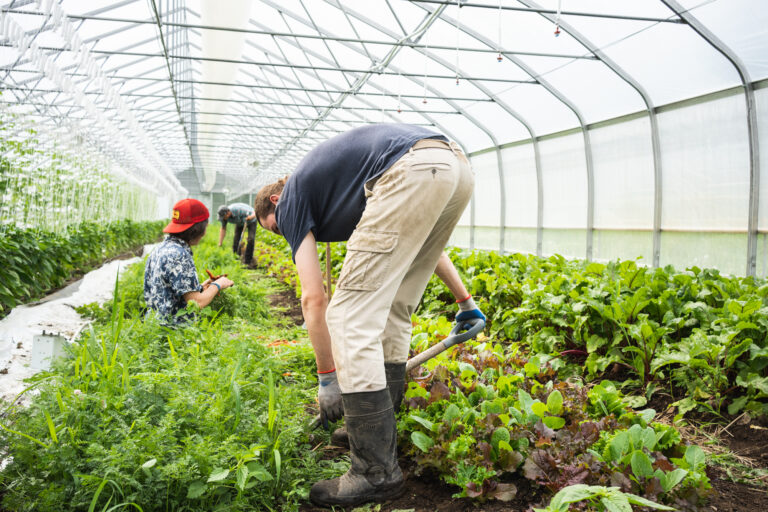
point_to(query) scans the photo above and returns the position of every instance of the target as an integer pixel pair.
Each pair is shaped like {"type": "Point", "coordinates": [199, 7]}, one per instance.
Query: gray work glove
{"type": "Point", "coordinates": [329, 397]}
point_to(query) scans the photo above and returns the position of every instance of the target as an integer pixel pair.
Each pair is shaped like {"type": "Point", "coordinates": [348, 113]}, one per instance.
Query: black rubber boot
{"type": "Point", "coordinates": [395, 373]}
{"type": "Point", "coordinates": [374, 474]}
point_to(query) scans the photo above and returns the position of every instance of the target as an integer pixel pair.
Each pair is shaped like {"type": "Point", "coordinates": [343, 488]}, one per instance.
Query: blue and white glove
{"type": "Point", "coordinates": [329, 398]}
{"type": "Point", "coordinates": [468, 310]}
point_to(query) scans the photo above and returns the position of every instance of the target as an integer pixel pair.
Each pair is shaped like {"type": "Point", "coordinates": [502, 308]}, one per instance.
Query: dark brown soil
{"type": "Point", "coordinates": [286, 301]}
{"type": "Point", "coordinates": [426, 493]}
{"type": "Point", "coordinates": [748, 438]}
{"type": "Point", "coordinates": [734, 497]}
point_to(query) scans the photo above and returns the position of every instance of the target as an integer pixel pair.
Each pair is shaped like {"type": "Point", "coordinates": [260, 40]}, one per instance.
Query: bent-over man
{"type": "Point", "coordinates": [242, 216]}
{"type": "Point", "coordinates": [395, 192]}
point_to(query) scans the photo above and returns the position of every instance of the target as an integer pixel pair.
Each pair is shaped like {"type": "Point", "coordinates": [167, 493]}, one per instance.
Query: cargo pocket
{"type": "Point", "coordinates": [367, 261]}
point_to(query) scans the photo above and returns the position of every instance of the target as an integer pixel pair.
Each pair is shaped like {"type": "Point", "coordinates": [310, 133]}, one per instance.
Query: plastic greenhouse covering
{"type": "Point", "coordinates": [597, 129]}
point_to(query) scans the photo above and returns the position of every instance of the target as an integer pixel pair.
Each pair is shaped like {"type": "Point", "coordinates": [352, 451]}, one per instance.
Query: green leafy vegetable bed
{"type": "Point", "coordinates": [33, 262]}
{"type": "Point", "coordinates": [485, 416]}
{"type": "Point", "coordinates": [207, 417]}
{"type": "Point", "coordinates": [213, 416]}
{"type": "Point", "coordinates": [696, 336]}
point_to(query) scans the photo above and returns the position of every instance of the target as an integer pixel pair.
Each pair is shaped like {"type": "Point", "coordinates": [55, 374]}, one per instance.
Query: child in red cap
{"type": "Point", "coordinates": [170, 277]}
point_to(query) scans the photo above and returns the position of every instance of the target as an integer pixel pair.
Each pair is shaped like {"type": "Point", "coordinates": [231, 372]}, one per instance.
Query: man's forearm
{"type": "Point", "coordinates": [222, 234]}
{"type": "Point", "coordinates": [314, 315]}
{"type": "Point", "coordinates": [448, 274]}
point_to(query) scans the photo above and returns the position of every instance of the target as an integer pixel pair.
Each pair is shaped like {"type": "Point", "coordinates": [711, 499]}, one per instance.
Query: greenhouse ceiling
{"type": "Point", "coordinates": [200, 96]}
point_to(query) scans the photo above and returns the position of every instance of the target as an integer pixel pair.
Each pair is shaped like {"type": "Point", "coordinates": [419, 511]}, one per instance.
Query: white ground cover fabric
{"type": "Point", "coordinates": [55, 313]}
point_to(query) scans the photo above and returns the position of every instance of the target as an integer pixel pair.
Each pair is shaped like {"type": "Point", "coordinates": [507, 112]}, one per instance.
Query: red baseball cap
{"type": "Point", "coordinates": [186, 213]}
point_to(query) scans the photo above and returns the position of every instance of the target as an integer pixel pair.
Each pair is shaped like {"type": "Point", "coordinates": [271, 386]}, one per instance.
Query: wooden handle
{"type": "Point", "coordinates": [423, 356]}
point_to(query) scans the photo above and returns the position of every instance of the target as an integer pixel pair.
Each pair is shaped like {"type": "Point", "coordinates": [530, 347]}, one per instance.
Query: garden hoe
{"type": "Point", "coordinates": [460, 333]}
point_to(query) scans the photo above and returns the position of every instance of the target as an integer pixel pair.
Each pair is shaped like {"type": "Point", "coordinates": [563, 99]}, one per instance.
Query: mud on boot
{"type": "Point", "coordinates": [395, 373]}
{"type": "Point", "coordinates": [374, 474]}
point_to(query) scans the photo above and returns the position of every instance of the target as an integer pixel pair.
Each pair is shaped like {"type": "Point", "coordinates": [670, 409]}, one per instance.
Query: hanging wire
{"type": "Point", "coordinates": [426, 62]}
{"type": "Point", "coordinates": [557, 17]}
{"type": "Point", "coordinates": [498, 57]}
{"type": "Point", "coordinates": [458, 35]}
{"type": "Point", "coordinates": [399, 93]}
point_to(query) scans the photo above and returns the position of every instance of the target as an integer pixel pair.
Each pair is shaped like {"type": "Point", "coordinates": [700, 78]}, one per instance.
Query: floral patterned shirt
{"type": "Point", "coordinates": [169, 274]}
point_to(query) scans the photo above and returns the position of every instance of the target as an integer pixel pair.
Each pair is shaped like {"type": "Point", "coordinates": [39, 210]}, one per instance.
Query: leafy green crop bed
{"type": "Point", "coordinates": [33, 262]}
{"type": "Point", "coordinates": [698, 338]}
{"type": "Point", "coordinates": [552, 398]}
{"type": "Point", "coordinates": [209, 417]}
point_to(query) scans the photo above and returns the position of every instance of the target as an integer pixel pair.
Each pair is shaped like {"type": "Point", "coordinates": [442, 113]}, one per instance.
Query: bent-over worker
{"type": "Point", "coordinates": [395, 192]}
{"type": "Point", "coordinates": [242, 216]}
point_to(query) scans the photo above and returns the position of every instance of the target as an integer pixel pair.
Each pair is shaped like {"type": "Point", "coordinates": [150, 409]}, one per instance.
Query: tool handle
{"type": "Point", "coordinates": [423, 356]}
{"type": "Point", "coordinates": [473, 326]}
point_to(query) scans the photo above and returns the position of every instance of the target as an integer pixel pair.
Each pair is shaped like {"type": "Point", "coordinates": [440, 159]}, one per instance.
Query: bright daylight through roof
{"type": "Point", "coordinates": [381, 255]}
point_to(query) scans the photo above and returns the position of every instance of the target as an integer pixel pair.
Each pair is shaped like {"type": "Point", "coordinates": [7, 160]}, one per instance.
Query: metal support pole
{"type": "Point", "coordinates": [502, 201]}
{"type": "Point", "coordinates": [472, 221]}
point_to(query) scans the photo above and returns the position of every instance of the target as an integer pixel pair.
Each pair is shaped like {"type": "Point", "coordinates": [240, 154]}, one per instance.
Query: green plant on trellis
{"type": "Point", "coordinates": [47, 187]}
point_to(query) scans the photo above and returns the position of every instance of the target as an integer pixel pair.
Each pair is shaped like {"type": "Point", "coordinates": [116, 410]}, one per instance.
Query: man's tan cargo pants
{"type": "Point", "coordinates": [410, 213]}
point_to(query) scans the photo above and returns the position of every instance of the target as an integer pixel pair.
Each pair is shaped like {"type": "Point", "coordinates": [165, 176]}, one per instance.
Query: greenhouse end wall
{"type": "Point", "coordinates": [705, 180]}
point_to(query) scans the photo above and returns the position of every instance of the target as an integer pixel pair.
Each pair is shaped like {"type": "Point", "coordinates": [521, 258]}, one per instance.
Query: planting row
{"type": "Point", "coordinates": [210, 416]}
{"type": "Point", "coordinates": [698, 337]}
{"type": "Point", "coordinates": [488, 415]}
{"type": "Point", "coordinates": [33, 262]}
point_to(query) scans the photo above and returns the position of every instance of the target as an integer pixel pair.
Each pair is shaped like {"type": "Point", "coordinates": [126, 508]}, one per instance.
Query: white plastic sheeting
{"type": "Point", "coordinates": [55, 314]}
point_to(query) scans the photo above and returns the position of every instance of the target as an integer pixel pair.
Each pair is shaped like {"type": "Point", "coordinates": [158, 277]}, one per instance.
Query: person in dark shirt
{"type": "Point", "coordinates": [394, 192]}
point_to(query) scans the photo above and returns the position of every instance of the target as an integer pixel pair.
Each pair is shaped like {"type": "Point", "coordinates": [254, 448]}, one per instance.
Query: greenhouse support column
{"type": "Point", "coordinates": [590, 192]}
{"type": "Point", "coordinates": [502, 201]}
{"type": "Point", "coordinates": [657, 187]}
{"type": "Point", "coordinates": [539, 199]}
{"type": "Point", "coordinates": [472, 221]}
{"type": "Point", "coordinates": [754, 141]}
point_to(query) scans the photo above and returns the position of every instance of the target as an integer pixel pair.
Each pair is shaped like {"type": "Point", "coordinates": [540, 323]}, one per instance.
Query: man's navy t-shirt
{"type": "Point", "coordinates": [326, 193]}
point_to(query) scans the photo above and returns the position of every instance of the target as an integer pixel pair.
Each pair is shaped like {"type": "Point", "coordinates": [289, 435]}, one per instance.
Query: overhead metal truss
{"type": "Point", "coordinates": [301, 80]}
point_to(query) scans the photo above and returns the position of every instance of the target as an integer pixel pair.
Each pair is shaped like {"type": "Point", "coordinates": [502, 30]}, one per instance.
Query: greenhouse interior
{"type": "Point", "coordinates": [581, 324]}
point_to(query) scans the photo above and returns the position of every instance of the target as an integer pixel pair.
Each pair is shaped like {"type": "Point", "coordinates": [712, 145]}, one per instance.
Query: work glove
{"type": "Point", "coordinates": [329, 397]}
{"type": "Point", "coordinates": [468, 310]}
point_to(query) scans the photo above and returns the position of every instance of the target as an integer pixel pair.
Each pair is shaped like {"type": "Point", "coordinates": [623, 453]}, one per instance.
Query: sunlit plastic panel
{"type": "Point", "coordinates": [622, 155]}
{"type": "Point", "coordinates": [761, 97]}
{"type": "Point", "coordinates": [705, 157]}
{"type": "Point", "coordinates": [564, 179]}
{"type": "Point", "coordinates": [727, 19]}
{"type": "Point", "coordinates": [521, 190]}
{"type": "Point", "coordinates": [624, 193]}
{"type": "Point", "coordinates": [502, 124]}
{"type": "Point", "coordinates": [544, 112]}
{"type": "Point", "coordinates": [673, 63]}
{"type": "Point", "coordinates": [488, 197]}
{"type": "Point", "coordinates": [591, 86]}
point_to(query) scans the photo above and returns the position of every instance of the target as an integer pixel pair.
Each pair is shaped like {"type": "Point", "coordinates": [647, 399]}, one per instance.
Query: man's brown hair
{"type": "Point", "coordinates": [262, 204]}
